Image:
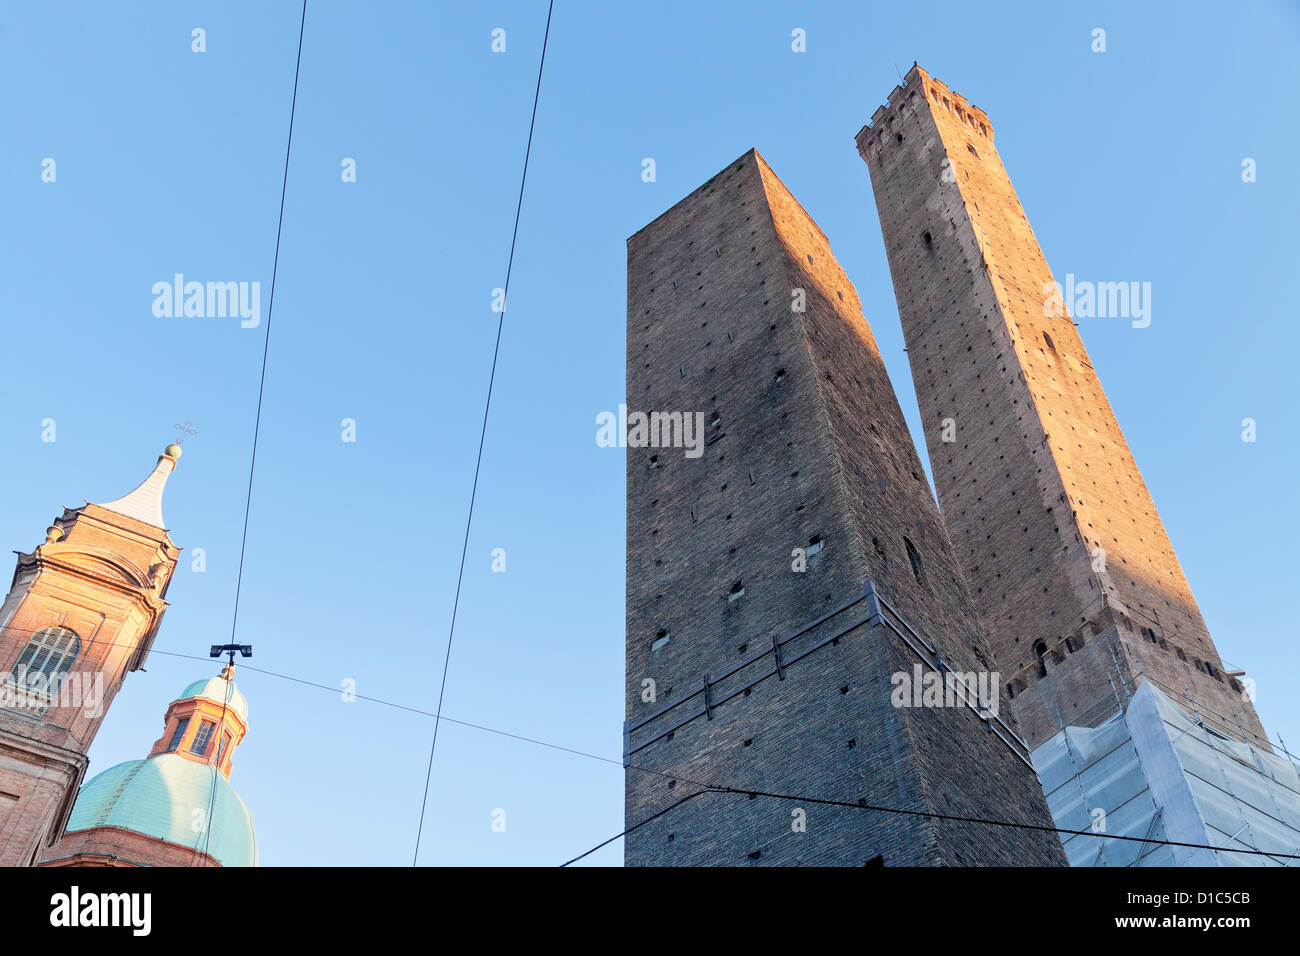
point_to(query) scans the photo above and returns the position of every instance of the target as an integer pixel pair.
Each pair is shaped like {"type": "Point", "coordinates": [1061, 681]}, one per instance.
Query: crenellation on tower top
{"type": "Point", "coordinates": [918, 88]}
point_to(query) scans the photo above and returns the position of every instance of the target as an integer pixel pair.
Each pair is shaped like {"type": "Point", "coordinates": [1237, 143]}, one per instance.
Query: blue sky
{"type": "Point", "coordinates": [1128, 164]}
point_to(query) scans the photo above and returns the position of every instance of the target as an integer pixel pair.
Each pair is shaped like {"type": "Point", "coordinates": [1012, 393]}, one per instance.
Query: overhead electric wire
{"type": "Point", "coordinates": [1277, 746]}
{"type": "Point", "coordinates": [653, 816]}
{"type": "Point", "coordinates": [706, 787]}
{"type": "Point", "coordinates": [257, 427]}
{"type": "Point", "coordinates": [266, 343]}
{"type": "Point", "coordinates": [478, 463]}
{"type": "Point", "coordinates": [438, 715]}
{"type": "Point", "coordinates": [802, 798]}
{"type": "Point", "coordinates": [216, 771]}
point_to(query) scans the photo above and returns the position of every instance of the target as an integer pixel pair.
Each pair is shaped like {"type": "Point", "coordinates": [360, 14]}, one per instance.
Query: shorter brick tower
{"type": "Point", "coordinates": [82, 612]}
{"type": "Point", "coordinates": [787, 570]}
{"type": "Point", "coordinates": [175, 808]}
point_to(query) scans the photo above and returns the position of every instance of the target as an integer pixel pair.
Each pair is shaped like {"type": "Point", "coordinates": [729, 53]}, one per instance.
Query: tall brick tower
{"type": "Point", "coordinates": [83, 610]}
{"type": "Point", "coordinates": [786, 568]}
{"type": "Point", "coordinates": [1080, 591]}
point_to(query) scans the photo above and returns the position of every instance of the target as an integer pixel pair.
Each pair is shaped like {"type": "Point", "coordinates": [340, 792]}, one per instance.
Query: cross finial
{"type": "Point", "coordinates": [183, 430]}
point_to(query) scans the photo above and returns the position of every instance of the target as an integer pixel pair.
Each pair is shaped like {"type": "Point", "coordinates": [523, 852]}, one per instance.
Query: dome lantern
{"type": "Point", "coordinates": [176, 807]}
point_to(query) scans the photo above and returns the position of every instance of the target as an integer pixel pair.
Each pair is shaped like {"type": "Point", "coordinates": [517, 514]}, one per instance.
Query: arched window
{"type": "Point", "coordinates": [1040, 652]}
{"type": "Point", "coordinates": [48, 656]}
{"type": "Point", "coordinates": [40, 670]}
{"type": "Point", "coordinates": [914, 556]}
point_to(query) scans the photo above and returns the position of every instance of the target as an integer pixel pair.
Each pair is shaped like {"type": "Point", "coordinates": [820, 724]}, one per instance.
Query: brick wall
{"type": "Point", "coordinates": [116, 846]}
{"type": "Point", "coordinates": [104, 577]}
{"type": "Point", "coordinates": [1037, 480]}
{"type": "Point", "coordinates": [809, 447]}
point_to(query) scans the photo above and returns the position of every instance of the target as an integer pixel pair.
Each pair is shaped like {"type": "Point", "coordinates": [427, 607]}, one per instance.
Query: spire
{"type": "Point", "coordinates": [145, 502]}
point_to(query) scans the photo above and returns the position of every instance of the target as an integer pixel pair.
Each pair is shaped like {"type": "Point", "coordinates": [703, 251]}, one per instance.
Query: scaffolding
{"type": "Point", "coordinates": [1154, 767]}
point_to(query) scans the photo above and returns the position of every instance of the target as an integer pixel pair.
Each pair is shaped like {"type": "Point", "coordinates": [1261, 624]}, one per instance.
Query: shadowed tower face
{"type": "Point", "coordinates": [797, 485]}
{"type": "Point", "coordinates": [1066, 556]}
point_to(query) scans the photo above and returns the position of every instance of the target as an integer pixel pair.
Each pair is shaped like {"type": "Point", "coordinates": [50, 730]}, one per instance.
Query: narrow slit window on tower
{"type": "Point", "coordinates": [974, 151]}
{"type": "Point", "coordinates": [660, 639]}
{"type": "Point", "coordinates": [715, 423]}
{"type": "Point", "coordinates": [815, 544]}
{"type": "Point", "coordinates": [1050, 344]}
{"type": "Point", "coordinates": [1040, 653]}
{"type": "Point", "coordinates": [915, 557]}
{"type": "Point", "coordinates": [737, 592]}
{"type": "Point", "coordinates": [927, 238]}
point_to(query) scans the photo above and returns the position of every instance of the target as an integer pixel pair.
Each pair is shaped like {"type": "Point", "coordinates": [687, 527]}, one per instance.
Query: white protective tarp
{"type": "Point", "coordinates": [1155, 773]}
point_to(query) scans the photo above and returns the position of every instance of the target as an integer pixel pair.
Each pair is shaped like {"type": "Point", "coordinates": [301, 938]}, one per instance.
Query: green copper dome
{"type": "Point", "coordinates": [221, 690]}
{"type": "Point", "coordinates": [164, 796]}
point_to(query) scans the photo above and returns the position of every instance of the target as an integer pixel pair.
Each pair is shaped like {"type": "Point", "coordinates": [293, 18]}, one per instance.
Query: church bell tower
{"type": "Point", "coordinates": [83, 610]}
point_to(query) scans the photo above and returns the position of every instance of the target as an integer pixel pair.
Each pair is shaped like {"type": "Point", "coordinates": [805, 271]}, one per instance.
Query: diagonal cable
{"type": "Point", "coordinates": [478, 463]}
{"type": "Point", "coordinates": [257, 422]}
{"type": "Point", "coordinates": [266, 345]}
